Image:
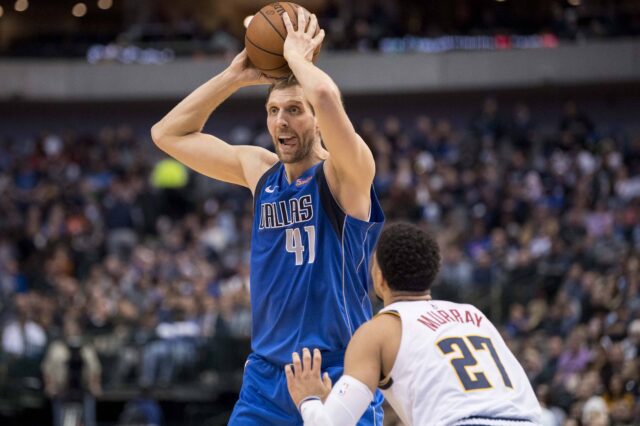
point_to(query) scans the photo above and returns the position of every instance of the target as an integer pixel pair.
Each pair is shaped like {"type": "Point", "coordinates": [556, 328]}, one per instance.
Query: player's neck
{"type": "Point", "coordinates": [405, 297]}
{"type": "Point", "coordinates": [295, 170]}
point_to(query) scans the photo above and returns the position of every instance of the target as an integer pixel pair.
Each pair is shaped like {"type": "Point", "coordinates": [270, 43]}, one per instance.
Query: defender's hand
{"type": "Point", "coordinates": [303, 377]}
{"type": "Point", "coordinates": [301, 43]}
{"type": "Point", "coordinates": [245, 73]}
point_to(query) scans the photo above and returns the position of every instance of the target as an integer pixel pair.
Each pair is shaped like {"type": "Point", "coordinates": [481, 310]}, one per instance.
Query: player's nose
{"type": "Point", "coordinates": [281, 121]}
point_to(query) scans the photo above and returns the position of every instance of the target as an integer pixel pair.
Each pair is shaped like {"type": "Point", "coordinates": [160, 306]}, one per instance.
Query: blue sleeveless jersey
{"type": "Point", "coordinates": [309, 265]}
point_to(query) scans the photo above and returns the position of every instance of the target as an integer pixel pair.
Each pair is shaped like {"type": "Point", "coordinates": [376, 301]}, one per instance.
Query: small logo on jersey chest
{"type": "Point", "coordinates": [300, 181]}
{"type": "Point", "coordinates": [270, 190]}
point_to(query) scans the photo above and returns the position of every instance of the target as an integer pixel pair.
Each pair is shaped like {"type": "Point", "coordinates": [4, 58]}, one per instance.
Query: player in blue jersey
{"type": "Point", "coordinates": [316, 219]}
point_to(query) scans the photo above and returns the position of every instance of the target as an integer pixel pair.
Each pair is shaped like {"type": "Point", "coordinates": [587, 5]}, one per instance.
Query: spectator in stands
{"type": "Point", "coordinates": [620, 402]}
{"type": "Point", "coordinates": [174, 349]}
{"type": "Point", "coordinates": [577, 125]}
{"type": "Point", "coordinates": [22, 338]}
{"type": "Point", "coordinates": [72, 374]}
{"type": "Point", "coordinates": [141, 411]}
{"type": "Point", "coordinates": [488, 122]}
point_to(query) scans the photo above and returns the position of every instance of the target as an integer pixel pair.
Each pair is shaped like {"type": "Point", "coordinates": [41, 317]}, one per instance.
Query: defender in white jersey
{"type": "Point", "coordinates": [441, 363]}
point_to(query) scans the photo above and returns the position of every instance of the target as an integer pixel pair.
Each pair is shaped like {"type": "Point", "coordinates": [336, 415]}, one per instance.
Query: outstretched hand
{"type": "Point", "coordinates": [246, 73]}
{"type": "Point", "coordinates": [303, 41]}
{"type": "Point", "coordinates": [303, 377]}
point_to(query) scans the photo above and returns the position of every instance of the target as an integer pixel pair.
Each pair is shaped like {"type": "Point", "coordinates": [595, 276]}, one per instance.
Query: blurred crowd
{"type": "Point", "coordinates": [209, 27]}
{"type": "Point", "coordinates": [362, 25]}
{"type": "Point", "coordinates": [115, 257]}
{"type": "Point", "coordinates": [351, 24]}
{"type": "Point", "coordinates": [104, 255]}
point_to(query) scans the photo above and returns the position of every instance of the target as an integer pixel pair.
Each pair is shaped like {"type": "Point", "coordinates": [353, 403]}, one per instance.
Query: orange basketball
{"type": "Point", "coordinates": [264, 39]}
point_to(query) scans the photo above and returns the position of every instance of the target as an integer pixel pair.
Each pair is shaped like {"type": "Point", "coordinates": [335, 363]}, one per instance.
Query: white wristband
{"type": "Point", "coordinates": [307, 399]}
{"type": "Point", "coordinates": [346, 403]}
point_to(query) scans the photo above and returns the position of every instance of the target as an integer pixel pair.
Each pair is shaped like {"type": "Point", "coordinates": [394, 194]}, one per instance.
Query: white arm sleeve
{"type": "Point", "coordinates": [346, 403]}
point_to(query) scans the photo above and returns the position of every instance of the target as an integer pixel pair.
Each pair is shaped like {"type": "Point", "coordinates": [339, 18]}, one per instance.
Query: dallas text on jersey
{"type": "Point", "coordinates": [286, 212]}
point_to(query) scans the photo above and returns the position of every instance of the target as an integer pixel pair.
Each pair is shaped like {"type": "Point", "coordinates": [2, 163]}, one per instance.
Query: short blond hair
{"type": "Point", "coordinates": [283, 83]}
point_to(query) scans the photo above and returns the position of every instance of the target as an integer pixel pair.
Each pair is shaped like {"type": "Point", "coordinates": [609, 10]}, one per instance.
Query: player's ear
{"type": "Point", "coordinates": [376, 272]}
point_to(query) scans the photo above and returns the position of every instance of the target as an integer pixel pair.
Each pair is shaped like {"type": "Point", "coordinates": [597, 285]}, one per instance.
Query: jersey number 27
{"type": "Point", "coordinates": [465, 347]}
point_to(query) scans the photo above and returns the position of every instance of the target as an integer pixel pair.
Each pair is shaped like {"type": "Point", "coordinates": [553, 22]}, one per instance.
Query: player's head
{"type": "Point", "coordinates": [407, 260]}
{"type": "Point", "coordinates": [291, 121]}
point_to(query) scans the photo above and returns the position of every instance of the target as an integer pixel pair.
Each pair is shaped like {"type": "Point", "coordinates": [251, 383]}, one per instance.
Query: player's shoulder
{"type": "Point", "coordinates": [372, 336]}
{"type": "Point", "coordinates": [380, 327]}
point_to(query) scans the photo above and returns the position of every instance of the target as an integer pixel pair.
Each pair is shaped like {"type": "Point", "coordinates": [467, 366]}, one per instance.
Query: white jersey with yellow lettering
{"type": "Point", "coordinates": [454, 368]}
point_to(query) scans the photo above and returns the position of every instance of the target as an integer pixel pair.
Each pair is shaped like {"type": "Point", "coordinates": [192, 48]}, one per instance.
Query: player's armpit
{"type": "Point", "coordinates": [255, 162]}
{"type": "Point", "coordinates": [388, 326]}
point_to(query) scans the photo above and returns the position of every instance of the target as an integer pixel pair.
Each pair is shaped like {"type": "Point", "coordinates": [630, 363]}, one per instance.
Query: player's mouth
{"type": "Point", "coordinates": [287, 140]}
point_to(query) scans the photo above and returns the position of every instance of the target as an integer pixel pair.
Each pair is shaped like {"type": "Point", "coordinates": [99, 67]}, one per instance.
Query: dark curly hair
{"type": "Point", "coordinates": [409, 258]}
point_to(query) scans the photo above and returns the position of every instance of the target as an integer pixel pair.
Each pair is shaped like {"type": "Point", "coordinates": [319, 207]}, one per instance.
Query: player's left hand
{"type": "Point", "coordinates": [303, 377]}
{"type": "Point", "coordinates": [301, 42]}
{"type": "Point", "coordinates": [245, 73]}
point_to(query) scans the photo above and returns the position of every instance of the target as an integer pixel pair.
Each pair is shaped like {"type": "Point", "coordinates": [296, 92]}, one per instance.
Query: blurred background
{"type": "Point", "coordinates": [511, 129]}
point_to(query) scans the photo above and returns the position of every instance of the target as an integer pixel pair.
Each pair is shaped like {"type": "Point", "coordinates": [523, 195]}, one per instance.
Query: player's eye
{"type": "Point", "coordinates": [273, 110]}
{"type": "Point", "coordinates": [294, 110]}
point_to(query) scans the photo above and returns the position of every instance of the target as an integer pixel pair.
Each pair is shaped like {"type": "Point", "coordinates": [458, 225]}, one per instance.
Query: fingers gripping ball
{"type": "Point", "coordinates": [265, 37]}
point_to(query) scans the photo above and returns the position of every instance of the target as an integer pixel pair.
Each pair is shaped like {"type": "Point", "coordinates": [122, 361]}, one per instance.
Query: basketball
{"type": "Point", "coordinates": [264, 39]}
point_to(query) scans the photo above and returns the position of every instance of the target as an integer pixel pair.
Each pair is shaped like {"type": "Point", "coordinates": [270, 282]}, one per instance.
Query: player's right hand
{"type": "Point", "coordinates": [303, 41]}
{"type": "Point", "coordinates": [245, 73]}
{"type": "Point", "coordinates": [303, 377]}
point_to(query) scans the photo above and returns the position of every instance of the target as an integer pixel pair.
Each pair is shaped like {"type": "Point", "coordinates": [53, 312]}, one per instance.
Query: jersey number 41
{"type": "Point", "coordinates": [294, 244]}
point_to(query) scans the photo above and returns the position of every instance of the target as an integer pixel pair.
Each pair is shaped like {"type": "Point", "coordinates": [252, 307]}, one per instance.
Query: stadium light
{"type": "Point", "coordinates": [105, 4]}
{"type": "Point", "coordinates": [21, 5]}
{"type": "Point", "coordinates": [79, 10]}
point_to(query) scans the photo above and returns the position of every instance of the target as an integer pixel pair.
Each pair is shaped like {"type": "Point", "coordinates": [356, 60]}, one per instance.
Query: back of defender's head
{"type": "Point", "coordinates": [408, 257]}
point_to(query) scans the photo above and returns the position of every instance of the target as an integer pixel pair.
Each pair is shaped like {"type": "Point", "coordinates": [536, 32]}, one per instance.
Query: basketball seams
{"type": "Point", "coordinates": [265, 41]}
{"type": "Point", "coordinates": [271, 23]}
{"type": "Point", "coordinates": [276, 68]}
{"type": "Point", "coordinates": [261, 48]}
{"type": "Point", "coordinates": [293, 14]}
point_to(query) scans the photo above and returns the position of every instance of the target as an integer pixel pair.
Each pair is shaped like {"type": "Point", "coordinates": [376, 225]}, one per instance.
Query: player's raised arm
{"type": "Point", "coordinates": [351, 159]}
{"type": "Point", "coordinates": [180, 135]}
